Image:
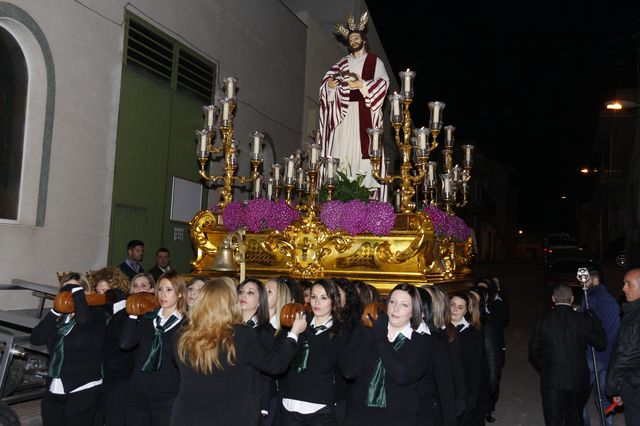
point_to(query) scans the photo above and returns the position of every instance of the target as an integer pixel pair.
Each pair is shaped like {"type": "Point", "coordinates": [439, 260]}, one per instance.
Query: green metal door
{"type": "Point", "coordinates": [140, 174]}
{"type": "Point", "coordinates": [163, 89]}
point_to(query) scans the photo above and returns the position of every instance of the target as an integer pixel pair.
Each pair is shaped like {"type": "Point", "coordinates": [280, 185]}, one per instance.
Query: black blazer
{"type": "Point", "coordinates": [124, 267]}
{"type": "Point", "coordinates": [160, 385]}
{"type": "Point", "coordinates": [558, 347]}
{"type": "Point", "coordinates": [82, 346]}
{"type": "Point", "coordinates": [230, 396]}
{"type": "Point", "coordinates": [316, 384]}
{"type": "Point", "coordinates": [266, 336]}
{"type": "Point", "coordinates": [436, 390]}
{"type": "Point", "coordinates": [404, 368]}
{"type": "Point", "coordinates": [471, 353]}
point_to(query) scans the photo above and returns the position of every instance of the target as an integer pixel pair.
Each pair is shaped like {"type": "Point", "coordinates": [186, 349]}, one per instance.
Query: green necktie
{"type": "Point", "coordinates": [251, 323]}
{"type": "Point", "coordinates": [376, 394]}
{"type": "Point", "coordinates": [154, 360]}
{"type": "Point", "coordinates": [63, 328]}
{"type": "Point", "coordinates": [301, 362]}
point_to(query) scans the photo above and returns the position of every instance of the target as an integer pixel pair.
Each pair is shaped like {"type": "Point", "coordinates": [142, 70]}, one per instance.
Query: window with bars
{"type": "Point", "coordinates": [167, 61]}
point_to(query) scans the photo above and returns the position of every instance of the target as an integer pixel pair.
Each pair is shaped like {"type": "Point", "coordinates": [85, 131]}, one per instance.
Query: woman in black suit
{"type": "Point", "coordinates": [386, 364]}
{"type": "Point", "coordinates": [308, 388]}
{"type": "Point", "coordinates": [155, 378]}
{"type": "Point", "coordinates": [75, 342]}
{"type": "Point", "coordinates": [471, 350]}
{"type": "Point", "coordinates": [437, 388]}
{"type": "Point", "coordinates": [219, 359]}
{"type": "Point", "coordinates": [117, 364]}
{"type": "Point", "coordinates": [254, 306]}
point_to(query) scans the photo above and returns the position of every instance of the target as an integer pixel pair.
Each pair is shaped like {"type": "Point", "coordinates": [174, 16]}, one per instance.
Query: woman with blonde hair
{"type": "Point", "coordinates": [155, 379]}
{"type": "Point", "coordinates": [142, 282]}
{"type": "Point", "coordinates": [278, 295]}
{"type": "Point", "coordinates": [219, 359]}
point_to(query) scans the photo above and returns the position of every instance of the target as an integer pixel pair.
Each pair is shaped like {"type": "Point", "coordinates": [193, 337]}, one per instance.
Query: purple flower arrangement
{"type": "Point", "coordinates": [357, 217]}
{"type": "Point", "coordinates": [258, 215]}
{"type": "Point", "coordinates": [445, 225]}
{"type": "Point", "coordinates": [354, 217]}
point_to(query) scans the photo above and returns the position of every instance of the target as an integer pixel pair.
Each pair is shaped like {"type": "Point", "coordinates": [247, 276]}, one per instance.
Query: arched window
{"type": "Point", "coordinates": [13, 99]}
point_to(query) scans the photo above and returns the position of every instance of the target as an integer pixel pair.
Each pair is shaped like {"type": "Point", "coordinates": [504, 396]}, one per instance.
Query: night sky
{"type": "Point", "coordinates": [523, 81]}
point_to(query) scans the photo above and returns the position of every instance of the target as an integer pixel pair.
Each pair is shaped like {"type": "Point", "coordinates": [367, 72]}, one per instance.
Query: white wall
{"type": "Point", "coordinates": [260, 42]}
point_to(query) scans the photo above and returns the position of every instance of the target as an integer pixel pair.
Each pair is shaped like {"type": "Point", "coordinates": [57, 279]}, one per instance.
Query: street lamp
{"type": "Point", "coordinates": [618, 105]}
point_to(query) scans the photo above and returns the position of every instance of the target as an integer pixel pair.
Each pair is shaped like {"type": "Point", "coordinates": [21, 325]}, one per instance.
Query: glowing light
{"type": "Point", "coordinates": [614, 105]}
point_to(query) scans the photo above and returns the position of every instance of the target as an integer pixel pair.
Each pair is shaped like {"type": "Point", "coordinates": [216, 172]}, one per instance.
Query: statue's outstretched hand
{"type": "Point", "coordinates": [332, 83]}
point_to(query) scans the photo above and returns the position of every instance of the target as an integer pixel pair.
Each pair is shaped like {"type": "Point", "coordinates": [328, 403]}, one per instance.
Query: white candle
{"type": "Point", "coordinates": [314, 154]}
{"type": "Point", "coordinates": [467, 152]}
{"type": "Point", "coordinates": [256, 144]}
{"type": "Point", "coordinates": [447, 184]}
{"type": "Point", "coordinates": [300, 177]}
{"type": "Point", "coordinates": [406, 83]}
{"type": "Point", "coordinates": [276, 172]}
{"type": "Point", "coordinates": [290, 166]}
{"type": "Point", "coordinates": [203, 141]}
{"type": "Point", "coordinates": [422, 140]}
{"type": "Point", "coordinates": [230, 89]}
{"type": "Point", "coordinates": [225, 111]}
{"type": "Point", "coordinates": [449, 130]}
{"type": "Point", "coordinates": [436, 114]}
{"type": "Point", "coordinates": [431, 172]}
{"type": "Point", "coordinates": [456, 173]}
{"type": "Point", "coordinates": [396, 106]}
{"type": "Point", "coordinates": [256, 186]}
{"type": "Point", "coordinates": [210, 117]}
{"type": "Point", "coordinates": [270, 189]}
{"type": "Point", "coordinates": [330, 168]}
{"type": "Point", "coordinates": [375, 141]}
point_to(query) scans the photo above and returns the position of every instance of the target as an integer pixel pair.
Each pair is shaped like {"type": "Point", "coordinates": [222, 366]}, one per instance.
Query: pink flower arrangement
{"type": "Point", "coordinates": [445, 225]}
{"type": "Point", "coordinates": [354, 217]}
{"type": "Point", "coordinates": [357, 217]}
{"type": "Point", "coordinates": [258, 215]}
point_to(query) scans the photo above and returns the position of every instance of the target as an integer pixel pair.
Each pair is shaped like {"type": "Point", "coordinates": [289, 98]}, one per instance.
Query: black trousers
{"type": "Point", "coordinates": [631, 400]}
{"type": "Point", "coordinates": [72, 409]}
{"type": "Point", "coordinates": [324, 416]}
{"type": "Point", "coordinates": [563, 407]}
{"type": "Point", "coordinates": [145, 411]}
{"type": "Point", "coordinates": [112, 405]}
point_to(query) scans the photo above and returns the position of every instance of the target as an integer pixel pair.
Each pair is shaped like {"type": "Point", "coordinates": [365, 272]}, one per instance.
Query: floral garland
{"type": "Point", "coordinates": [354, 217]}
{"type": "Point", "coordinates": [357, 217]}
{"type": "Point", "coordinates": [445, 225]}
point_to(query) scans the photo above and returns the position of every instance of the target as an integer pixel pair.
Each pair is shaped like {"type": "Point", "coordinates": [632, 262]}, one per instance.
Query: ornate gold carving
{"type": "Point", "coordinates": [424, 232]}
{"type": "Point", "coordinates": [255, 253]}
{"type": "Point", "coordinates": [304, 244]}
{"type": "Point", "coordinates": [364, 256]}
{"type": "Point", "coordinates": [203, 219]}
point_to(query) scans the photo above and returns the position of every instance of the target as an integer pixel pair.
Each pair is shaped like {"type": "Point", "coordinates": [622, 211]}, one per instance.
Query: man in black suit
{"type": "Point", "coordinates": [131, 265]}
{"type": "Point", "coordinates": [557, 348]}
{"type": "Point", "coordinates": [163, 259]}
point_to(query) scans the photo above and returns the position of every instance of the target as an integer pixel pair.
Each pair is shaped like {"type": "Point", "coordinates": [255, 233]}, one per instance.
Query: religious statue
{"type": "Point", "coordinates": [351, 98]}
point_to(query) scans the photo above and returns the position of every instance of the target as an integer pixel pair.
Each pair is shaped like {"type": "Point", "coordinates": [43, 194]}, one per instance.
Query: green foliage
{"type": "Point", "coordinates": [348, 189]}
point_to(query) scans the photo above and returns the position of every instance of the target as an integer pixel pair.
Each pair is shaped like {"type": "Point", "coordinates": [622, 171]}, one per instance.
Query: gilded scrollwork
{"type": "Point", "coordinates": [201, 221]}
{"type": "Point", "coordinates": [424, 232]}
{"type": "Point", "coordinates": [304, 244]}
{"type": "Point", "coordinates": [364, 256]}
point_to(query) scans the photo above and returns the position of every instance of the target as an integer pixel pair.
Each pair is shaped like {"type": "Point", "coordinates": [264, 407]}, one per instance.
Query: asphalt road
{"type": "Point", "coordinates": [520, 402]}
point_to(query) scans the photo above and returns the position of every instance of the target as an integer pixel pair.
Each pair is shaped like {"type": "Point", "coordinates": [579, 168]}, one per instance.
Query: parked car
{"type": "Point", "coordinates": [564, 271]}
{"type": "Point", "coordinates": [567, 251]}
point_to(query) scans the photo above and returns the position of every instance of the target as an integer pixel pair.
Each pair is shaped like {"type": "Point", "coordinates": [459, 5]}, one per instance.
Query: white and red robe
{"type": "Point", "coordinates": [345, 114]}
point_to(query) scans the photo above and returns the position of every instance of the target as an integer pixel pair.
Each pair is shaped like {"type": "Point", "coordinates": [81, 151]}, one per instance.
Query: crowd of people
{"type": "Point", "coordinates": [219, 352]}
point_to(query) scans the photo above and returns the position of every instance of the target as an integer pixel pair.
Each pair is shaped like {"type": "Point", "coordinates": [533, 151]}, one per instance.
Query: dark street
{"type": "Point", "coordinates": [520, 402]}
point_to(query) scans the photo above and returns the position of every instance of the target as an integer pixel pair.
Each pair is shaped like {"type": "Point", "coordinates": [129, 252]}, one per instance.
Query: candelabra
{"type": "Point", "coordinates": [417, 169]}
{"type": "Point", "coordinates": [228, 147]}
